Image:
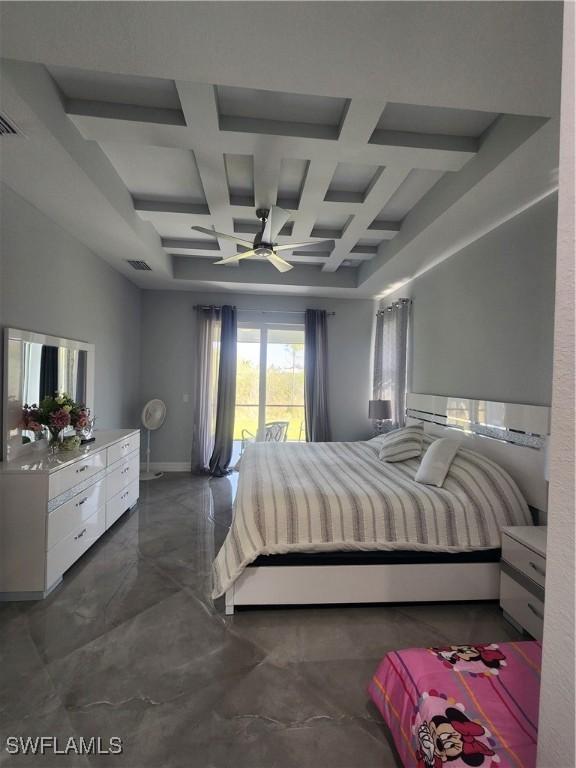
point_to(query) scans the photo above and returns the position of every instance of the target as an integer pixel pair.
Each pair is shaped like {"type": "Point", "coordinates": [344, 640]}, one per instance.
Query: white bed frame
{"type": "Point", "coordinates": [513, 435]}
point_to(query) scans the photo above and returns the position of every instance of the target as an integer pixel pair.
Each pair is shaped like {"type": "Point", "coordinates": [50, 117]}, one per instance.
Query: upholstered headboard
{"type": "Point", "coordinates": [513, 435]}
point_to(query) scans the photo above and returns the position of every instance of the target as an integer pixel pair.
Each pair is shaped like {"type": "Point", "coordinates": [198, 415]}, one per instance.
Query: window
{"type": "Point", "coordinates": [270, 380]}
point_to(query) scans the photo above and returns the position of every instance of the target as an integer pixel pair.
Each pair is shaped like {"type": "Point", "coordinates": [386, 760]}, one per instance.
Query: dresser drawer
{"type": "Point", "coordinates": [69, 516]}
{"type": "Point", "coordinates": [81, 470]}
{"type": "Point", "coordinates": [526, 609]}
{"type": "Point", "coordinates": [123, 473]}
{"type": "Point", "coordinates": [118, 504]}
{"type": "Point", "coordinates": [524, 559]}
{"type": "Point", "coordinates": [124, 447]}
{"type": "Point", "coordinates": [67, 551]}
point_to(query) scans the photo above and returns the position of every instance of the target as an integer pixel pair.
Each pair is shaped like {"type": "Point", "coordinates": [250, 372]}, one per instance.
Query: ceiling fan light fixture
{"type": "Point", "coordinates": [264, 243]}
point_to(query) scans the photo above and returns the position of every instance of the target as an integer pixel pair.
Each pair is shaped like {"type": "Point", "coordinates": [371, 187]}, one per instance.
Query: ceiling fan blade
{"type": "Point", "coordinates": [245, 243]}
{"type": "Point", "coordinates": [292, 246]}
{"type": "Point", "coordinates": [237, 257]}
{"type": "Point", "coordinates": [277, 217]}
{"type": "Point", "coordinates": [280, 264]}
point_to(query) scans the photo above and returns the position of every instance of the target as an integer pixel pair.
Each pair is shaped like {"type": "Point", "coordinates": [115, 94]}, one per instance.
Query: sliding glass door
{"type": "Point", "coordinates": [285, 379]}
{"type": "Point", "coordinates": [248, 396]}
{"type": "Point", "coordinates": [270, 382]}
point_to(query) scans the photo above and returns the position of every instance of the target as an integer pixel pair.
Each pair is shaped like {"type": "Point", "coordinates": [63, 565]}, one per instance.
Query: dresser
{"type": "Point", "coordinates": [523, 576]}
{"type": "Point", "coordinates": [53, 508]}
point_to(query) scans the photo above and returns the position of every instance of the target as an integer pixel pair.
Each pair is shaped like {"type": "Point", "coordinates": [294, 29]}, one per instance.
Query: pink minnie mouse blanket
{"type": "Point", "coordinates": [462, 705]}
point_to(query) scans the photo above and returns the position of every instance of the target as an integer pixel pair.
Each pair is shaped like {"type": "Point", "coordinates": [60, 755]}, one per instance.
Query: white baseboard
{"type": "Point", "coordinates": [167, 466]}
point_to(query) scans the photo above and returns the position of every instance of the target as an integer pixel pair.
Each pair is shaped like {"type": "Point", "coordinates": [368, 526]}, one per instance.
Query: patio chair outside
{"type": "Point", "coordinates": [274, 432]}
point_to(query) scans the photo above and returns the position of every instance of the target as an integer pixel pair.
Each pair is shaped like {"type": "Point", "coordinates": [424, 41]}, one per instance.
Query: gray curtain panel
{"type": "Point", "coordinates": [391, 357]}
{"type": "Point", "coordinates": [48, 371]}
{"type": "Point", "coordinates": [207, 337]}
{"type": "Point", "coordinates": [226, 399]}
{"type": "Point", "coordinates": [316, 376]}
{"type": "Point", "coordinates": [80, 393]}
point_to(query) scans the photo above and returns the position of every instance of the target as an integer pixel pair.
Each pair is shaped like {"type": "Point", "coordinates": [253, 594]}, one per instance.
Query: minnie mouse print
{"type": "Point", "coordinates": [478, 659]}
{"type": "Point", "coordinates": [451, 737]}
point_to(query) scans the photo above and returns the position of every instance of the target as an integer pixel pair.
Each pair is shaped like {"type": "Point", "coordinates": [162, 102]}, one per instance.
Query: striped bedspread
{"type": "Point", "coordinates": [313, 497]}
{"type": "Point", "coordinates": [462, 705]}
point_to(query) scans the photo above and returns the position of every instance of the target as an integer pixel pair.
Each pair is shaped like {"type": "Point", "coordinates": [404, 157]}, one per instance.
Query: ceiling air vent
{"type": "Point", "coordinates": [8, 128]}
{"type": "Point", "coordinates": [140, 265]}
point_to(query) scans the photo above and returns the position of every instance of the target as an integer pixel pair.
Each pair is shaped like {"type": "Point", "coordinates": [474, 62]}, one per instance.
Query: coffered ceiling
{"type": "Point", "coordinates": [146, 157]}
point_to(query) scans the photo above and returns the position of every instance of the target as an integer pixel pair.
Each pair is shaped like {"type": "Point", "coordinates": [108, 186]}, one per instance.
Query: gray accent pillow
{"type": "Point", "coordinates": [402, 444]}
{"type": "Point", "coordinates": [436, 461]}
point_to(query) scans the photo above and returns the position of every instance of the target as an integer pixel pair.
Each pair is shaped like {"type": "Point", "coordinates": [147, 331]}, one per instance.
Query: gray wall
{"type": "Point", "coordinates": [556, 736]}
{"type": "Point", "coordinates": [50, 282]}
{"type": "Point", "coordinates": [483, 319]}
{"type": "Point", "coordinates": [168, 360]}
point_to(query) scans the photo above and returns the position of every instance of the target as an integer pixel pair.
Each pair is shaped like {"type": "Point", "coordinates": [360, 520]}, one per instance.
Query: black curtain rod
{"type": "Point", "coordinates": [262, 311]}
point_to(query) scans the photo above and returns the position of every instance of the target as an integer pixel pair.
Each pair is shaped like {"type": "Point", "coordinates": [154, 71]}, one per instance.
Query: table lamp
{"type": "Point", "coordinates": [379, 411]}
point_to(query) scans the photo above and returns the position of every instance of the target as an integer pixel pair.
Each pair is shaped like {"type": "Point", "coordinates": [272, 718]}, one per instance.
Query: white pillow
{"type": "Point", "coordinates": [436, 461]}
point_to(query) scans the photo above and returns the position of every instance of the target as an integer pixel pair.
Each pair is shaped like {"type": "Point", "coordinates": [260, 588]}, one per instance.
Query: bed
{"type": "Point", "coordinates": [331, 523]}
{"type": "Point", "coordinates": [463, 705]}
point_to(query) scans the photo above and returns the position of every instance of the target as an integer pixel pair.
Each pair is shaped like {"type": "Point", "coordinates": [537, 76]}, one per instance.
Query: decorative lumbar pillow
{"type": "Point", "coordinates": [377, 439]}
{"type": "Point", "coordinates": [402, 444]}
{"type": "Point", "coordinates": [436, 461]}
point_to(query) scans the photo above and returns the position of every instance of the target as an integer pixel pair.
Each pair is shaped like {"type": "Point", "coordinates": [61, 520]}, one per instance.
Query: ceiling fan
{"type": "Point", "coordinates": [272, 222]}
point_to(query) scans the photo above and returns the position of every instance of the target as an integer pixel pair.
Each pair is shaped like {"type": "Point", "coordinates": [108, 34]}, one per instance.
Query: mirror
{"type": "Point", "coordinates": [37, 366]}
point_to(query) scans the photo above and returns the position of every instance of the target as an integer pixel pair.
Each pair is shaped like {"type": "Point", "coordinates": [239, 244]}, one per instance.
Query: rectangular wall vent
{"type": "Point", "coordinates": [7, 127]}
{"type": "Point", "coordinates": [140, 265]}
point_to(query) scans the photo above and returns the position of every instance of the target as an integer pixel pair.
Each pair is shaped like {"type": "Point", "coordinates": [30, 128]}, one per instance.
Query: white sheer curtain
{"type": "Point", "coordinates": [207, 345]}
{"type": "Point", "coordinates": [391, 357]}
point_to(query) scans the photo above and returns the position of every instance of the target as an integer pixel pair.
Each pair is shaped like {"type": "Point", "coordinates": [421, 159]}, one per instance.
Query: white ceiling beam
{"type": "Point", "coordinates": [199, 106]}
{"type": "Point", "coordinates": [401, 149]}
{"type": "Point", "coordinates": [381, 227]}
{"type": "Point", "coordinates": [446, 217]}
{"type": "Point", "coordinates": [130, 112]}
{"type": "Point", "coordinates": [382, 190]}
{"type": "Point", "coordinates": [170, 206]}
{"type": "Point", "coordinates": [318, 178]}
{"type": "Point", "coordinates": [173, 243]}
{"type": "Point", "coordinates": [425, 154]}
{"type": "Point", "coordinates": [256, 272]}
{"type": "Point", "coordinates": [185, 252]}
{"type": "Point", "coordinates": [465, 144]}
{"type": "Point", "coordinates": [360, 120]}
{"type": "Point", "coordinates": [105, 129]}
{"type": "Point", "coordinates": [267, 160]}
{"type": "Point", "coordinates": [292, 258]}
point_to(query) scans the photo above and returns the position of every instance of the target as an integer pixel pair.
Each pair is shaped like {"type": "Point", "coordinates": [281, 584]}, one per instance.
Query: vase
{"type": "Point", "coordinates": [70, 443]}
{"type": "Point", "coordinates": [54, 439]}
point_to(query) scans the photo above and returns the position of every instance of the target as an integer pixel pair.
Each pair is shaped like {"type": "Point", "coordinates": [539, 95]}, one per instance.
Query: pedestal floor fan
{"type": "Point", "coordinates": [153, 416]}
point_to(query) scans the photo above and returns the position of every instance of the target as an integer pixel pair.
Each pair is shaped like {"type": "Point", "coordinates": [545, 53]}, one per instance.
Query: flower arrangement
{"type": "Point", "coordinates": [56, 412]}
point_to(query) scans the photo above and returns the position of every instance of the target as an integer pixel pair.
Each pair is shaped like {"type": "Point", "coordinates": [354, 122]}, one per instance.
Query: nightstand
{"type": "Point", "coordinates": [522, 577]}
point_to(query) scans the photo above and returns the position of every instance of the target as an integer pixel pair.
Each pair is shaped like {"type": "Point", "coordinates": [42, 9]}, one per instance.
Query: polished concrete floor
{"type": "Point", "coordinates": [131, 645]}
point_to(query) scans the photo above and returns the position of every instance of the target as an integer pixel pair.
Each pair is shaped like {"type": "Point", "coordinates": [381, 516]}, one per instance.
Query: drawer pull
{"type": "Point", "coordinates": [84, 500]}
{"type": "Point", "coordinates": [125, 470]}
{"type": "Point", "coordinates": [540, 571]}
{"type": "Point", "coordinates": [82, 532]}
{"type": "Point", "coordinates": [536, 612]}
{"type": "Point", "coordinates": [82, 468]}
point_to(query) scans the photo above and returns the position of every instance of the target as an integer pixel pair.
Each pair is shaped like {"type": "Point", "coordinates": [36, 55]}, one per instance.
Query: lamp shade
{"type": "Point", "coordinates": [379, 409]}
